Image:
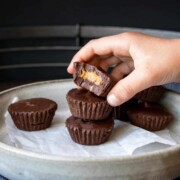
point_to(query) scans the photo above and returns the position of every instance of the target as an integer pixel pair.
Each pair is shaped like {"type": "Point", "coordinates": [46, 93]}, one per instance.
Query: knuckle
{"type": "Point", "coordinates": [92, 41]}
{"type": "Point", "coordinates": [130, 36]}
{"type": "Point", "coordinates": [90, 45]}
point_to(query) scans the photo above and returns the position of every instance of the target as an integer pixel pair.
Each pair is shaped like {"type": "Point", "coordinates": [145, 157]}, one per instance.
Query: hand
{"type": "Point", "coordinates": [140, 61]}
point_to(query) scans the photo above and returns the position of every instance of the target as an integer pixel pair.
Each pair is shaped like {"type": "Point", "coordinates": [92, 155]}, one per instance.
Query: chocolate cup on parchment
{"type": "Point", "coordinates": [152, 94]}
{"type": "Point", "coordinates": [89, 132]}
{"type": "Point", "coordinates": [33, 114]}
{"type": "Point", "coordinates": [150, 116]}
{"type": "Point", "coordinates": [120, 112]}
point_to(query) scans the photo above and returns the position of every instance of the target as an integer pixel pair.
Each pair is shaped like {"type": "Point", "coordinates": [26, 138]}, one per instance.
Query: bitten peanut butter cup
{"type": "Point", "coordinates": [89, 132]}
{"type": "Point", "coordinates": [33, 114]}
{"type": "Point", "coordinates": [93, 79]}
{"type": "Point", "coordinates": [150, 116]}
{"type": "Point", "coordinates": [85, 105]}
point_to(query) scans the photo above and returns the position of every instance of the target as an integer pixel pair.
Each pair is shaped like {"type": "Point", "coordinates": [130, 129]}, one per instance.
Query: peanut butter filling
{"type": "Point", "coordinates": [91, 76]}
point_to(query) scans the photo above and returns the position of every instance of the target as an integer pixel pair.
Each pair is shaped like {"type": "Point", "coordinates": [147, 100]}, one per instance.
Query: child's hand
{"type": "Point", "coordinates": [140, 61]}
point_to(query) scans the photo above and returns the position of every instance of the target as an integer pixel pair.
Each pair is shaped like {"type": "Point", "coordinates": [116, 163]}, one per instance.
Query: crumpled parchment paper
{"type": "Point", "coordinates": [126, 139]}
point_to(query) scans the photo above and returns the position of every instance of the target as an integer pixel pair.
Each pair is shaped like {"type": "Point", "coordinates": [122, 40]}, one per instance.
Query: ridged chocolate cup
{"type": "Point", "coordinates": [91, 132]}
{"type": "Point", "coordinates": [152, 94]}
{"type": "Point", "coordinates": [150, 117]}
{"type": "Point", "coordinates": [33, 114]}
{"type": "Point", "coordinates": [120, 112]}
{"type": "Point", "coordinates": [154, 123]}
{"type": "Point", "coordinates": [85, 105]}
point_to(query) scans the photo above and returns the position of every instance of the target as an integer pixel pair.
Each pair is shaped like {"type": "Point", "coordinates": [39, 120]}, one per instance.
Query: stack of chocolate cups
{"type": "Point", "coordinates": [91, 122]}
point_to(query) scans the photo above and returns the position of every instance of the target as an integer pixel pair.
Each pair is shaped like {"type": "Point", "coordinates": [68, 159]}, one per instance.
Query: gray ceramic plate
{"type": "Point", "coordinates": [20, 164]}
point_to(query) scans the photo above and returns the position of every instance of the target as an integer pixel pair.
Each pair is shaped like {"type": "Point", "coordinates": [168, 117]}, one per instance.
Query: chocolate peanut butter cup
{"type": "Point", "coordinates": [150, 116]}
{"type": "Point", "coordinates": [152, 94]}
{"type": "Point", "coordinates": [89, 132]}
{"type": "Point", "coordinates": [120, 112]}
{"type": "Point", "coordinates": [85, 105]}
{"type": "Point", "coordinates": [33, 114]}
{"type": "Point", "coordinates": [93, 79]}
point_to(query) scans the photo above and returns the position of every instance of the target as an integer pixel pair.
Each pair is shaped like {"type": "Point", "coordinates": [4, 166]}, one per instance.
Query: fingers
{"type": "Point", "coordinates": [108, 62]}
{"type": "Point", "coordinates": [128, 87]}
{"type": "Point", "coordinates": [112, 45]}
{"type": "Point", "coordinates": [104, 62]}
{"type": "Point", "coordinates": [122, 69]}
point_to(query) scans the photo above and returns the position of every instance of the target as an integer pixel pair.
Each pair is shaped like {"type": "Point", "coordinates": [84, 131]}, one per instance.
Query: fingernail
{"type": "Point", "coordinates": [113, 100]}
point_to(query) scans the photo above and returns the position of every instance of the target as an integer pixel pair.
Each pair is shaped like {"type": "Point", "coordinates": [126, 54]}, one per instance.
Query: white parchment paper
{"type": "Point", "coordinates": [126, 139]}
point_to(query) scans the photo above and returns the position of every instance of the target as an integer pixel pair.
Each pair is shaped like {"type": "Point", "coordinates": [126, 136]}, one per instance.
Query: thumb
{"type": "Point", "coordinates": [127, 87]}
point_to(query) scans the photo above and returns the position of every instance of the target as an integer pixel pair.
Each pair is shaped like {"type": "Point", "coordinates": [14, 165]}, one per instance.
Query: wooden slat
{"type": "Point", "coordinates": [75, 31]}
{"type": "Point", "coordinates": [40, 48]}
{"type": "Point", "coordinates": [99, 31]}
{"type": "Point", "coordinates": [33, 65]}
{"type": "Point", "coordinates": [39, 32]}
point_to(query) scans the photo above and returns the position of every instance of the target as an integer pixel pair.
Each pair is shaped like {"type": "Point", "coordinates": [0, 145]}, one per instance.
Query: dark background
{"type": "Point", "coordinates": [129, 13]}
